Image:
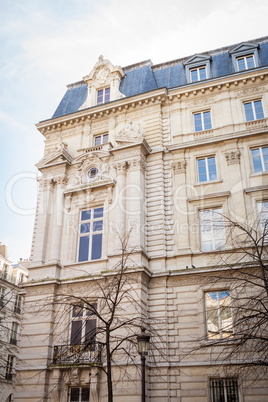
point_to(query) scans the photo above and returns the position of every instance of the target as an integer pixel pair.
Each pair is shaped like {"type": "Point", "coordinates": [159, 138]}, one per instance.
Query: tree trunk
{"type": "Point", "coordinates": [109, 367]}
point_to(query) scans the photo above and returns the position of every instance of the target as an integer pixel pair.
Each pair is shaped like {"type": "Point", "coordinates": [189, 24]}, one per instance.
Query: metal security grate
{"type": "Point", "coordinates": [224, 390]}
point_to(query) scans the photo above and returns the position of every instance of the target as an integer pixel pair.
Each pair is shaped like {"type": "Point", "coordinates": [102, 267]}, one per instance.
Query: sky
{"type": "Point", "coordinates": [47, 44]}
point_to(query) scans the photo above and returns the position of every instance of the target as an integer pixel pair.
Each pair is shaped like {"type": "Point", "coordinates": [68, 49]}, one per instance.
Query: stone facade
{"type": "Point", "coordinates": [11, 305]}
{"type": "Point", "coordinates": [153, 159]}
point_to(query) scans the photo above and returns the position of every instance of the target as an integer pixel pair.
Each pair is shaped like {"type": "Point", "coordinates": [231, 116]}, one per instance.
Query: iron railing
{"type": "Point", "coordinates": [77, 354]}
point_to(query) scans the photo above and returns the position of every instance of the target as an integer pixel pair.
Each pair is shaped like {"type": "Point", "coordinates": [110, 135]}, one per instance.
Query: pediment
{"type": "Point", "coordinates": [197, 59]}
{"type": "Point", "coordinates": [103, 73]}
{"type": "Point", "coordinates": [244, 48]}
{"type": "Point", "coordinates": [130, 134]}
{"type": "Point", "coordinates": [55, 158]}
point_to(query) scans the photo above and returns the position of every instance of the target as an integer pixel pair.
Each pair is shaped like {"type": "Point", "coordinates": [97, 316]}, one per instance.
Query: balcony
{"type": "Point", "coordinates": [77, 354]}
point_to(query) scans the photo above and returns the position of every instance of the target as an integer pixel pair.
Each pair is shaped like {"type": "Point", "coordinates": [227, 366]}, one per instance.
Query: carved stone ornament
{"type": "Point", "coordinates": [179, 167]}
{"type": "Point", "coordinates": [102, 74]}
{"type": "Point", "coordinates": [87, 129]}
{"type": "Point", "coordinates": [130, 133]}
{"type": "Point", "coordinates": [232, 157]}
{"type": "Point", "coordinates": [60, 144]}
{"type": "Point", "coordinates": [90, 161]}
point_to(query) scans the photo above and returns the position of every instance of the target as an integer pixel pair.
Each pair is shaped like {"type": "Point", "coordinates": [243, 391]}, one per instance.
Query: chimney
{"type": "Point", "coordinates": [3, 250]}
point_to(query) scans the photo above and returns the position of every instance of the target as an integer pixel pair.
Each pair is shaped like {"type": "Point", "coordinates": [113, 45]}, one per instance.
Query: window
{"type": "Point", "coordinates": [101, 139]}
{"type": "Point", "coordinates": [218, 314]}
{"type": "Point", "coordinates": [83, 327]}
{"type": "Point", "coordinates": [103, 96]}
{"type": "Point", "coordinates": [253, 110]}
{"type": "Point", "coordinates": [9, 367]}
{"type": "Point", "coordinates": [224, 390]}
{"type": "Point", "coordinates": [14, 333]}
{"type": "Point", "coordinates": [79, 394]}
{"type": "Point", "coordinates": [90, 239]}
{"type": "Point", "coordinates": [260, 159]}
{"type": "Point", "coordinates": [202, 121]}
{"type": "Point", "coordinates": [18, 303]}
{"type": "Point", "coordinates": [263, 216]}
{"type": "Point", "coordinates": [245, 62]}
{"type": "Point", "coordinates": [212, 229]}
{"type": "Point", "coordinates": [2, 296]}
{"type": "Point", "coordinates": [207, 169]}
{"type": "Point", "coordinates": [92, 173]}
{"type": "Point", "coordinates": [198, 74]}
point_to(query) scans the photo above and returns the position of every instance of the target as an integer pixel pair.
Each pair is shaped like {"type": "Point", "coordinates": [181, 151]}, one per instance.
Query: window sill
{"type": "Point", "coordinates": [103, 259]}
{"type": "Point", "coordinates": [208, 182]}
{"type": "Point", "coordinates": [264, 172]}
{"type": "Point", "coordinates": [219, 342]}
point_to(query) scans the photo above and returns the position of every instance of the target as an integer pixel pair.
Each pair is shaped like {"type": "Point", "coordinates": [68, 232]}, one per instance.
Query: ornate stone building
{"type": "Point", "coordinates": [168, 150]}
{"type": "Point", "coordinates": [11, 304]}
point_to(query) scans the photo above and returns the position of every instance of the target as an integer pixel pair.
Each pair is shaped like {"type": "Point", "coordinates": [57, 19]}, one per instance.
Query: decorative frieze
{"type": "Point", "coordinates": [232, 157]}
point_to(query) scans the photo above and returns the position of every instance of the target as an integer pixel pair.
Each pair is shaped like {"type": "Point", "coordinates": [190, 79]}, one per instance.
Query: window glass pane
{"type": "Point", "coordinates": [207, 120]}
{"type": "Point", "coordinates": [85, 227]}
{"type": "Point", "coordinates": [83, 248]}
{"type": "Point", "coordinates": [98, 213]}
{"type": "Point", "coordinates": [97, 226]}
{"type": "Point", "coordinates": [241, 64]}
{"type": "Point", "coordinates": [105, 138]}
{"type": "Point", "coordinates": [256, 159]}
{"type": "Point", "coordinates": [258, 110]}
{"type": "Point", "coordinates": [107, 94]}
{"type": "Point", "coordinates": [76, 332]}
{"type": "Point", "coordinates": [202, 73]}
{"type": "Point", "coordinates": [212, 168]}
{"type": "Point", "coordinates": [198, 122]}
{"type": "Point", "coordinates": [85, 395]}
{"type": "Point", "coordinates": [96, 246]}
{"type": "Point", "coordinates": [97, 140]}
{"type": "Point", "coordinates": [194, 76]}
{"type": "Point", "coordinates": [77, 311]}
{"type": "Point", "coordinates": [74, 395]}
{"type": "Point", "coordinates": [250, 62]}
{"type": "Point", "coordinates": [249, 111]}
{"type": "Point", "coordinates": [85, 215]}
{"type": "Point", "coordinates": [90, 333]}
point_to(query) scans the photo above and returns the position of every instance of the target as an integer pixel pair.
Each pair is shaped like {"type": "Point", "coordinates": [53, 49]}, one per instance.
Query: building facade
{"type": "Point", "coordinates": [164, 153]}
{"type": "Point", "coordinates": [11, 304]}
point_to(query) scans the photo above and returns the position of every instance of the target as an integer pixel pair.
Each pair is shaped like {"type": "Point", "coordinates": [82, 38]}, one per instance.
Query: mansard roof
{"type": "Point", "coordinates": [144, 76]}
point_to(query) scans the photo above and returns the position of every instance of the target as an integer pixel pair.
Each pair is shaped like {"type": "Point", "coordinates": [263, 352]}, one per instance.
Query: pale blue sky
{"type": "Point", "coordinates": [46, 44]}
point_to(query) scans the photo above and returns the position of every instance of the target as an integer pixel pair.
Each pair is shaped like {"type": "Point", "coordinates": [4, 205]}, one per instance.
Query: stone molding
{"type": "Point", "coordinates": [179, 167]}
{"type": "Point", "coordinates": [232, 157]}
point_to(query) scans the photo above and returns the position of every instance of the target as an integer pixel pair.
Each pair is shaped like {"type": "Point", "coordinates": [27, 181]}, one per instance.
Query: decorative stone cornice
{"type": "Point", "coordinates": [137, 164]}
{"type": "Point", "coordinates": [121, 167]}
{"type": "Point", "coordinates": [232, 157]}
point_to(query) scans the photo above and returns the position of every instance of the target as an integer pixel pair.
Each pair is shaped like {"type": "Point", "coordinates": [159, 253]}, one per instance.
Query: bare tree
{"type": "Point", "coordinates": [237, 319]}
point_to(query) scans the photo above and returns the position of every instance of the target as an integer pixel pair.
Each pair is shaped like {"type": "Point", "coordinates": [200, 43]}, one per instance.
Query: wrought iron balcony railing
{"type": "Point", "coordinates": [77, 354]}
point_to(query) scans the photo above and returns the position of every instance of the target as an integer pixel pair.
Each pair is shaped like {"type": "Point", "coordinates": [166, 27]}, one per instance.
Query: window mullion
{"type": "Point", "coordinates": [219, 315]}
{"type": "Point", "coordinates": [262, 160]}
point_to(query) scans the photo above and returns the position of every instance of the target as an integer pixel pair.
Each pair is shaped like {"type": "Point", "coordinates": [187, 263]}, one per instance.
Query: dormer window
{"type": "Point", "coordinates": [101, 139]}
{"type": "Point", "coordinates": [197, 68]}
{"type": "Point", "coordinates": [198, 74]}
{"type": "Point", "coordinates": [103, 96]}
{"type": "Point", "coordinates": [245, 56]}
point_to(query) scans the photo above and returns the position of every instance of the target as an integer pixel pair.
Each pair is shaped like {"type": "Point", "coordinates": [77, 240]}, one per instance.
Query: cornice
{"type": "Point", "coordinates": [143, 144]}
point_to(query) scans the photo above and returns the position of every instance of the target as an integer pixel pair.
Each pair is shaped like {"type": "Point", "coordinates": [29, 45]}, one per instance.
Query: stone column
{"type": "Point", "coordinates": [120, 203]}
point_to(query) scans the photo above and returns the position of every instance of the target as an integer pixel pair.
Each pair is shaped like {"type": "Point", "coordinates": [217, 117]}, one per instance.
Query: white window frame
{"type": "Point", "coordinates": [10, 367]}
{"type": "Point", "coordinates": [198, 73]}
{"type": "Point", "coordinates": [263, 218]}
{"type": "Point", "coordinates": [225, 381]}
{"type": "Point", "coordinates": [18, 304]}
{"type": "Point", "coordinates": [213, 223]}
{"type": "Point", "coordinates": [253, 106]}
{"type": "Point", "coordinates": [2, 296]}
{"type": "Point", "coordinates": [219, 316]}
{"type": "Point", "coordinates": [207, 170]}
{"type": "Point", "coordinates": [202, 121]}
{"type": "Point", "coordinates": [80, 392]}
{"type": "Point", "coordinates": [91, 233]}
{"type": "Point", "coordinates": [245, 57]}
{"type": "Point", "coordinates": [14, 333]}
{"type": "Point", "coordinates": [101, 136]}
{"type": "Point", "coordinates": [261, 159]}
{"type": "Point", "coordinates": [84, 317]}
{"type": "Point", "coordinates": [103, 95]}
{"type": "Point", "coordinates": [244, 50]}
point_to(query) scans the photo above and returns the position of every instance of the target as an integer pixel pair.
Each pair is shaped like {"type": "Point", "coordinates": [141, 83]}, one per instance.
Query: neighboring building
{"type": "Point", "coordinates": [11, 302]}
{"type": "Point", "coordinates": [164, 149]}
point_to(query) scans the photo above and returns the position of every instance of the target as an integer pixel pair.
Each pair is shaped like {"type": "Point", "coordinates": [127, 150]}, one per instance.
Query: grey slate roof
{"type": "Point", "coordinates": [144, 77]}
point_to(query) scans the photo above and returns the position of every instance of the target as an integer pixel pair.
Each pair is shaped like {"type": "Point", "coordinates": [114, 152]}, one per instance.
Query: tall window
{"type": "Point", "coordinates": [245, 62]}
{"type": "Point", "coordinates": [103, 96]}
{"type": "Point", "coordinates": [14, 333]}
{"type": "Point", "coordinates": [263, 216]}
{"type": "Point", "coordinates": [101, 139]}
{"type": "Point", "coordinates": [260, 159]}
{"type": "Point", "coordinates": [253, 110]}
{"type": "Point", "coordinates": [218, 314]}
{"type": "Point", "coordinates": [212, 229]}
{"type": "Point", "coordinates": [9, 367]}
{"type": "Point", "coordinates": [90, 239]}
{"type": "Point", "coordinates": [202, 121]}
{"type": "Point", "coordinates": [198, 74]}
{"type": "Point", "coordinates": [207, 169]}
{"type": "Point", "coordinates": [224, 390]}
{"type": "Point", "coordinates": [83, 327]}
{"type": "Point", "coordinates": [79, 394]}
{"type": "Point", "coordinates": [2, 296]}
{"type": "Point", "coordinates": [18, 304]}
